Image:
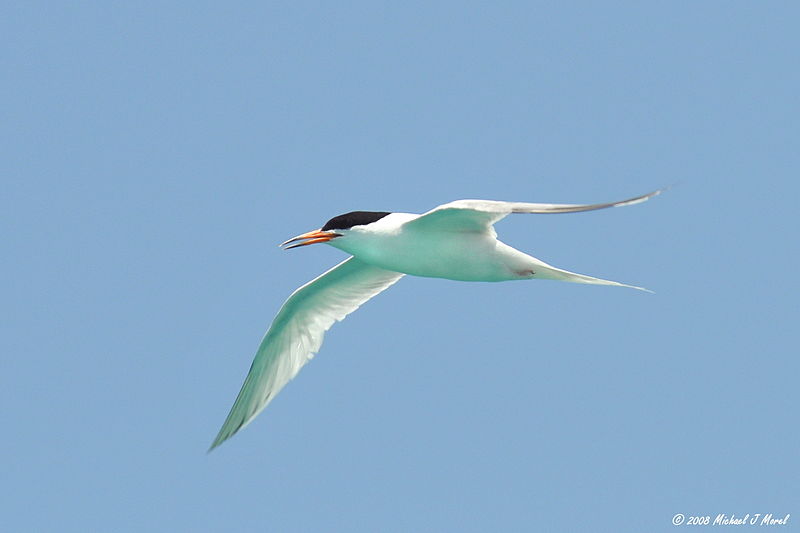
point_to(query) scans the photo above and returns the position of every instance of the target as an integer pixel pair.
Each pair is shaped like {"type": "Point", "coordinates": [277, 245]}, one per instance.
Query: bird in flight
{"type": "Point", "coordinates": [454, 241]}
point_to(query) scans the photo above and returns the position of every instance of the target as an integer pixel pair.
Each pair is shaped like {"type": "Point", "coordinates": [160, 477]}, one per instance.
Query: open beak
{"type": "Point", "coordinates": [312, 237]}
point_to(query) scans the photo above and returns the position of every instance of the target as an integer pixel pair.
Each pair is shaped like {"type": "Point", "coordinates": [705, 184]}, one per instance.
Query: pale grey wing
{"type": "Point", "coordinates": [297, 331]}
{"type": "Point", "coordinates": [479, 215]}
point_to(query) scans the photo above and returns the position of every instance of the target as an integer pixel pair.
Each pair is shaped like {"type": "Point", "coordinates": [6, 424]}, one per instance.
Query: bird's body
{"type": "Point", "coordinates": [393, 244]}
{"type": "Point", "coordinates": [435, 251]}
{"type": "Point", "coordinates": [454, 241]}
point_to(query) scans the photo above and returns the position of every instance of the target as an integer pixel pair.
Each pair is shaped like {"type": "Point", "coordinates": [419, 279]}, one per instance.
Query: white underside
{"type": "Point", "coordinates": [456, 255]}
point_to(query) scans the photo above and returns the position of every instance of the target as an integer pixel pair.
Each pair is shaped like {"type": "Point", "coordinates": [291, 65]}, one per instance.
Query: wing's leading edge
{"type": "Point", "coordinates": [479, 215]}
{"type": "Point", "coordinates": [296, 334]}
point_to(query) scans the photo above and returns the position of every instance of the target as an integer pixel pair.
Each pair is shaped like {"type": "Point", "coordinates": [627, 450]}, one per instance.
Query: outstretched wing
{"type": "Point", "coordinates": [296, 334]}
{"type": "Point", "coordinates": [479, 215]}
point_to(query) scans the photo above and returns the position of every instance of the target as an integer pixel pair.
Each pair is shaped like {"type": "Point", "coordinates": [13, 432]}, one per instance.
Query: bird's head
{"type": "Point", "coordinates": [335, 228]}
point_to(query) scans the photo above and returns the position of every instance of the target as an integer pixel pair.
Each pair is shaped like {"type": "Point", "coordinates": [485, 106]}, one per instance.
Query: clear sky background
{"type": "Point", "coordinates": [154, 154]}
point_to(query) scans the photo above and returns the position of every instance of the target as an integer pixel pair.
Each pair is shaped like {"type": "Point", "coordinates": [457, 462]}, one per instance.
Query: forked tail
{"type": "Point", "coordinates": [545, 271]}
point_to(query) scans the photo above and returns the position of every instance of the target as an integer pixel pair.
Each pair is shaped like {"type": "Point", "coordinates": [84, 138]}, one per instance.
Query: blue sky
{"type": "Point", "coordinates": [154, 155]}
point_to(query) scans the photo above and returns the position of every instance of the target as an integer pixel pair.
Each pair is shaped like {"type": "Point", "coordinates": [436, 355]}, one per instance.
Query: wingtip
{"type": "Point", "coordinates": [643, 198]}
{"type": "Point", "coordinates": [217, 441]}
{"type": "Point", "coordinates": [661, 190]}
{"type": "Point", "coordinates": [224, 434]}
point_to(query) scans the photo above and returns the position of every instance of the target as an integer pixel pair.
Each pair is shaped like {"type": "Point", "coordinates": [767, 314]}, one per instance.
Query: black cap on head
{"type": "Point", "coordinates": [354, 218]}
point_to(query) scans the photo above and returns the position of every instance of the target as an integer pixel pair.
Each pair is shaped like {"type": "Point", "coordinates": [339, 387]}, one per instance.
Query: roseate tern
{"type": "Point", "coordinates": [453, 241]}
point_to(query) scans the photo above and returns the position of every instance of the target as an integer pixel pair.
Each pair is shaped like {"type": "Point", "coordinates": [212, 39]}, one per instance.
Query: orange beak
{"type": "Point", "coordinates": [312, 237]}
